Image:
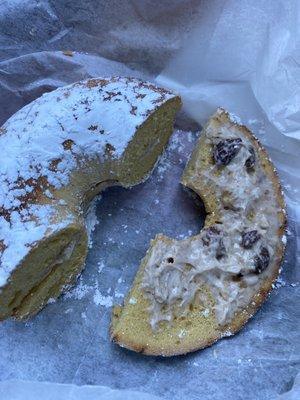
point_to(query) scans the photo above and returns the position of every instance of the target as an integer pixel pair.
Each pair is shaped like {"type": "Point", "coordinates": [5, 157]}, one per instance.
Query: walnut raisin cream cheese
{"type": "Point", "coordinates": [59, 151]}
{"type": "Point", "coordinates": [210, 284]}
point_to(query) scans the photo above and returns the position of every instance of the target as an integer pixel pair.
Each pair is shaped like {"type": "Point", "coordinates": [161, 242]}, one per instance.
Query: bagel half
{"type": "Point", "coordinates": [58, 152]}
{"type": "Point", "coordinates": [190, 293]}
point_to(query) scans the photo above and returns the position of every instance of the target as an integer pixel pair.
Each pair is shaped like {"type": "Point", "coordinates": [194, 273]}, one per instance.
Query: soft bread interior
{"type": "Point", "coordinates": [147, 145]}
{"type": "Point", "coordinates": [49, 267]}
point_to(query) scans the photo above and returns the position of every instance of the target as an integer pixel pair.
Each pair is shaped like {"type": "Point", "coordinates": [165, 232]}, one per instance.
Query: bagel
{"type": "Point", "coordinates": [188, 294]}
{"type": "Point", "coordinates": [58, 152]}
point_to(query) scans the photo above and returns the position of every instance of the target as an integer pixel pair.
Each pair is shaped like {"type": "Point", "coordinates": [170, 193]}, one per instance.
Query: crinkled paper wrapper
{"type": "Point", "coordinates": [242, 55]}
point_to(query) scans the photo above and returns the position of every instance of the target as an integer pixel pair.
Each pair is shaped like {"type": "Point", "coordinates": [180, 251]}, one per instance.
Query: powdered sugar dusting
{"type": "Point", "coordinates": [233, 118]}
{"type": "Point", "coordinates": [284, 239]}
{"type": "Point", "coordinates": [48, 139]}
{"type": "Point", "coordinates": [93, 291]}
{"type": "Point", "coordinates": [102, 300]}
{"type": "Point", "coordinates": [79, 292]}
{"type": "Point", "coordinates": [91, 219]}
{"type": "Point", "coordinates": [163, 165]}
{"type": "Point", "coordinates": [100, 266]}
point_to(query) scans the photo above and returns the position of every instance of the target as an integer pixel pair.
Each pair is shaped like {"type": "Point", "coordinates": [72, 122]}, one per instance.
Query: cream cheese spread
{"type": "Point", "coordinates": [229, 257]}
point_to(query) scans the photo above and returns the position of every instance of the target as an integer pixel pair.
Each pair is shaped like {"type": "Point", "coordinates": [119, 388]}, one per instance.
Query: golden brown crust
{"type": "Point", "coordinates": [241, 317]}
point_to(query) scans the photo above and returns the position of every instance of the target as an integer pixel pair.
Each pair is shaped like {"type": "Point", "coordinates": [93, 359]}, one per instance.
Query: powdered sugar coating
{"type": "Point", "coordinates": [49, 138]}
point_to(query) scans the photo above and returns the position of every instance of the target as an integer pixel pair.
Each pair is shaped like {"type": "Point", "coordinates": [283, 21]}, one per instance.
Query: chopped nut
{"type": "Point", "coordinates": [228, 200]}
{"type": "Point", "coordinates": [221, 251]}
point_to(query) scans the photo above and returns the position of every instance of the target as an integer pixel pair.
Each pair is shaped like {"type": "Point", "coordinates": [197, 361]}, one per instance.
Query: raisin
{"type": "Point", "coordinates": [227, 201]}
{"type": "Point", "coordinates": [221, 251]}
{"type": "Point", "coordinates": [250, 238]}
{"type": "Point", "coordinates": [262, 260]}
{"type": "Point", "coordinates": [237, 277]}
{"type": "Point", "coordinates": [208, 234]}
{"type": "Point", "coordinates": [250, 162]}
{"type": "Point", "coordinates": [226, 150]}
{"type": "Point", "coordinates": [214, 230]}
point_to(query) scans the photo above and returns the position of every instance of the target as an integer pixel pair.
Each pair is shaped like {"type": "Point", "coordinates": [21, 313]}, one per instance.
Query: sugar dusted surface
{"type": "Point", "coordinates": [91, 219]}
{"type": "Point", "coordinates": [47, 139]}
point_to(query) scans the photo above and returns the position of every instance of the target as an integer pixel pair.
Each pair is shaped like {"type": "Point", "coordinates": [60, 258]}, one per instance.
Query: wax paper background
{"type": "Point", "coordinates": [243, 55]}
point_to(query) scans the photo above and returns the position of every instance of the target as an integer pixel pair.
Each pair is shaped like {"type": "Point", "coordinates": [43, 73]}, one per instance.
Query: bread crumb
{"type": "Point", "coordinates": [68, 53]}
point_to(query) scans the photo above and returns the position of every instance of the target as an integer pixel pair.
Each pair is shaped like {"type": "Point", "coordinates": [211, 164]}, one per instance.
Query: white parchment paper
{"type": "Point", "coordinates": [242, 55]}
